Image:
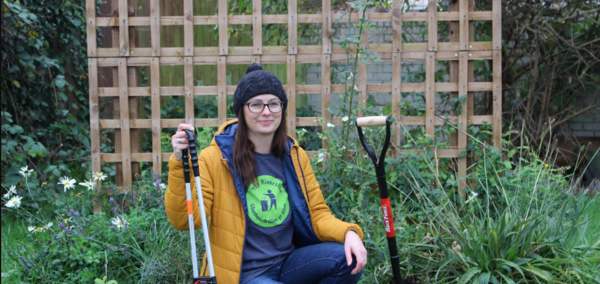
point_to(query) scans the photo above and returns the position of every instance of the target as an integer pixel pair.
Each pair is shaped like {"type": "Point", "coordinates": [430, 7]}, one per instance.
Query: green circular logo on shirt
{"type": "Point", "coordinates": [268, 204]}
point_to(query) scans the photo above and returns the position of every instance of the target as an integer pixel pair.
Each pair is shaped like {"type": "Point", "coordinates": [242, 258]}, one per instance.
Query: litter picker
{"type": "Point", "coordinates": [190, 209]}
{"type": "Point", "coordinates": [386, 207]}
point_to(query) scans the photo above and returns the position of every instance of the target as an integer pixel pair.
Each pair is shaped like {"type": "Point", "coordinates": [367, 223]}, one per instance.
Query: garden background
{"type": "Point", "coordinates": [530, 214]}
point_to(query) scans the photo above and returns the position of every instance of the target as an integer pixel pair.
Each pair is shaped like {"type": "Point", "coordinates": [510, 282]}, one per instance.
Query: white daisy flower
{"type": "Point", "coordinates": [47, 227]}
{"type": "Point", "coordinates": [12, 190]}
{"type": "Point", "coordinates": [356, 88]}
{"type": "Point", "coordinates": [330, 125]}
{"type": "Point", "coordinates": [118, 222]}
{"type": "Point", "coordinates": [67, 182]}
{"type": "Point", "coordinates": [14, 202]}
{"type": "Point", "coordinates": [99, 176]}
{"type": "Point", "coordinates": [345, 118]}
{"type": "Point", "coordinates": [31, 229]}
{"type": "Point", "coordinates": [88, 183]}
{"type": "Point", "coordinates": [162, 186]}
{"type": "Point", "coordinates": [25, 171]}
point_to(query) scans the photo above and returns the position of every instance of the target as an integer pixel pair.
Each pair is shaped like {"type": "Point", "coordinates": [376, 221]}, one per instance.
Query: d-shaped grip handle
{"type": "Point", "coordinates": [371, 121]}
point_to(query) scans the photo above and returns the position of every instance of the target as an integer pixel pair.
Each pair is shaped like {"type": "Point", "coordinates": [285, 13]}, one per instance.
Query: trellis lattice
{"type": "Point", "coordinates": [123, 56]}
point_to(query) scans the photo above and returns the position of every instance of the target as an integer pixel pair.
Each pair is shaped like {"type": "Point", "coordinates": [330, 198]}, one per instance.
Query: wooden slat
{"type": "Point", "coordinates": [464, 24]}
{"type": "Point", "coordinates": [326, 91]}
{"type": "Point", "coordinates": [396, 93]}
{"type": "Point", "coordinates": [90, 12]}
{"type": "Point", "coordinates": [480, 49]}
{"type": "Point", "coordinates": [94, 123]}
{"type": "Point", "coordinates": [430, 94]}
{"type": "Point", "coordinates": [497, 99]}
{"type": "Point", "coordinates": [148, 123]}
{"type": "Point", "coordinates": [462, 120]}
{"type": "Point", "coordinates": [155, 106]}
{"type": "Point", "coordinates": [188, 27]}
{"type": "Point", "coordinates": [291, 95]}
{"type": "Point", "coordinates": [362, 71]}
{"type": "Point", "coordinates": [133, 102]}
{"type": "Point", "coordinates": [115, 35]}
{"type": "Point", "coordinates": [432, 24]}
{"type": "Point", "coordinates": [222, 87]}
{"type": "Point", "coordinates": [123, 29]}
{"type": "Point", "coordinates": [292, 27]}
{"type": "Point", "coordinates": [124, 119]}
{"type": "Point", "coordinates": [155, 27]}
{"type": "Point", "coordinates": [497, 25]}
{"type": "Point", "coordinates": [188, 71]}
{"type": "Point", "coordinates": [257, 40]}
{"type": "Point", "coordinates": [302, 18]}
{"type": "Point", "coordinates": [326, 27]}
{"type": "Point", "coordinates": [397, 26]}
{"type": "Point", "coordinates": [306, 121]}
{"type": "Point", "coordinates": [223, 40]}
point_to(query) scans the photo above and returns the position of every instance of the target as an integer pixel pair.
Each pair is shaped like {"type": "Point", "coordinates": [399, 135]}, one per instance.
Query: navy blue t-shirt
{"type": "Point", "coordinates": [269, 218]}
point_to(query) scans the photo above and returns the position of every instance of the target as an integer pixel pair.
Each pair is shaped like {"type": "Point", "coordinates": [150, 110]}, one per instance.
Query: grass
{"type": "Point", "coordinates": [593, 213]}
{"type": "Point", "coordinates": [12, 232]}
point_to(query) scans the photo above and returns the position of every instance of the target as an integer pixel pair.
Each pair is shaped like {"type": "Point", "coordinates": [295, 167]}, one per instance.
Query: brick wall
{"type": "Point", "coordinates": [587, 124]}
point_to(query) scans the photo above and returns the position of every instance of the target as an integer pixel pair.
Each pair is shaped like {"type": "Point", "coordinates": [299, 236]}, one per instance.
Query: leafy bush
{"type": "Point", "coordinates": [44, 88]}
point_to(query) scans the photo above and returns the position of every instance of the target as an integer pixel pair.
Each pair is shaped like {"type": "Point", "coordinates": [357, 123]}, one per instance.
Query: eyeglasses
{"type": "Point", "coordinates": [258, 106]}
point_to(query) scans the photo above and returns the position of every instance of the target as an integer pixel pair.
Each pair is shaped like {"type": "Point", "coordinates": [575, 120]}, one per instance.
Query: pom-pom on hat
{"type": "Point", "coordinates": [257, 82]}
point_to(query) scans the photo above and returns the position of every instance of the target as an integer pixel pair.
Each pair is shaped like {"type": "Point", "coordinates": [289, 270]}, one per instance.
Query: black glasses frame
{"type": "Point", "coordinates": [281, 104]}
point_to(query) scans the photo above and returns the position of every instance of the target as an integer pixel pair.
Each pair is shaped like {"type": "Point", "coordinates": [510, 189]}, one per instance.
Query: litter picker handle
{"type": "Point", "coordinates": [194, 158]}
{"type": "Point", "coordinates": [190, 209]}
{"type": "Point", "coordinates": [386, 206]}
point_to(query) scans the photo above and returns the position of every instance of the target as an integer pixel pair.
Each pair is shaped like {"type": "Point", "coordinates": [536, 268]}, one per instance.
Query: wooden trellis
{"type": "Point", "coordinates": [461, 51]}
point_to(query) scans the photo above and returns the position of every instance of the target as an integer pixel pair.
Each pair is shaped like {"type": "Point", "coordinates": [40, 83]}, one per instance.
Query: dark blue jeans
{"type": "Point", "coordinates": [323, 263]}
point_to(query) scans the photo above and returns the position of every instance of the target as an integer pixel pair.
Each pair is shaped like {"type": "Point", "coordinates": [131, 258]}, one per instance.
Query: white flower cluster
{"type": "Point", "coordinates": [70, 183]}
{"type": "Point", "coordinates": [14, 201]}
{"type": "Point", "coordinates": [33, 229]}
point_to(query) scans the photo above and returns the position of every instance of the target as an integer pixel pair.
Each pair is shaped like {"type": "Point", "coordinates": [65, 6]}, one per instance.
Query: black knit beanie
{"type": "Point", "coordinates": [257, 82]}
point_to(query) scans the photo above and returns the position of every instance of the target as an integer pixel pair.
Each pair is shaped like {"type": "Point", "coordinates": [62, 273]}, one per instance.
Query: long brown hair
{"type": "Point", "coordinates": [243, 148]}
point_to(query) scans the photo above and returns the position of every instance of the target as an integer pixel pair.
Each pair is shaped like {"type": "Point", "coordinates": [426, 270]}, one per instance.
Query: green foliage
{"type": "Point", "coordinates": [44, 86]}
{"type": "Point", "coordinates": [521, 222]}
{"type": "Point", "coordinates": [80, 246]}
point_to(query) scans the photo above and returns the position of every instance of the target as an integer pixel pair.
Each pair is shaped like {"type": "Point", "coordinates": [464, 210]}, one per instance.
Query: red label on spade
{"type": "Point", "coordinates": [388, 220]}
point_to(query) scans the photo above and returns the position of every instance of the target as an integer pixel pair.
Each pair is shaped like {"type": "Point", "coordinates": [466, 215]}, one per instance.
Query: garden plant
{"type": "Point", "coordinates": [524, 219]}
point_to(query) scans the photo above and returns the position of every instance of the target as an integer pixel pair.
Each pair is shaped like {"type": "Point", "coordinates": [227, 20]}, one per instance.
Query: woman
{"type": "Point", "coordinates": [268, 219]}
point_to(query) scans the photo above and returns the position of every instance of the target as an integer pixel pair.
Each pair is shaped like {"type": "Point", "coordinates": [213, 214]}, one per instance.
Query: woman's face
{"type": "Point", "coordinates": [264, 122]}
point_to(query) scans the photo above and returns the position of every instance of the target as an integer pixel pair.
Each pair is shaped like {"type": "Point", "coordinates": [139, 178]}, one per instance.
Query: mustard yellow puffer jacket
{"type": "Point", "coordinates": [225, 203]}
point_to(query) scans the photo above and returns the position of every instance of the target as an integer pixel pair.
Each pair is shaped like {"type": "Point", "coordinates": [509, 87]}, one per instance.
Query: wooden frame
{"type": "Point", "coordinates": [460, 51]}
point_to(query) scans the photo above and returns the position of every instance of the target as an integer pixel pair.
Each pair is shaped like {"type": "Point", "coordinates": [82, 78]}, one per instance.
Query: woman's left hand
{"type": "Point", "coordinates": [354, 246]}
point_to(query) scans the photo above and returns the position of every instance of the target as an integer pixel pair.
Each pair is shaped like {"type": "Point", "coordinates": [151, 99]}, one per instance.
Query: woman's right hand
{"type": "Point", "coordinates": [179, 140]}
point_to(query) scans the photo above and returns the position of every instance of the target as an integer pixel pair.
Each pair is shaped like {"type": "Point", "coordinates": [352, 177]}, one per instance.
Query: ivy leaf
{"type": "Point", "coordinates": [16, 83]}
{"type": "Point", "coordinates": [60, 81]}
